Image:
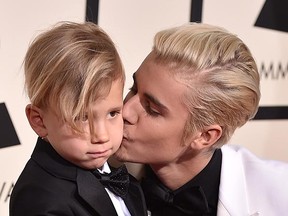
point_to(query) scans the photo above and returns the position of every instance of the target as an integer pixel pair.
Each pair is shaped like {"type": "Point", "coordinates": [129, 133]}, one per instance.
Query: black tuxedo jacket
{"type": "Point", "coordinates": [50, 185]}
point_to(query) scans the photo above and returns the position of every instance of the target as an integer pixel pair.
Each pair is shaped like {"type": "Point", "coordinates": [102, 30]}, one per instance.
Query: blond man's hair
{"type": "Point", "coordinates": [70, 66]}
{"type": "Point", "coordinates": [219, 71]}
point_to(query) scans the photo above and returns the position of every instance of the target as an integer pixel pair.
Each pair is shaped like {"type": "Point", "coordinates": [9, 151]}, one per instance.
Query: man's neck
{"type": "Point", "coordinates": [176, 174]}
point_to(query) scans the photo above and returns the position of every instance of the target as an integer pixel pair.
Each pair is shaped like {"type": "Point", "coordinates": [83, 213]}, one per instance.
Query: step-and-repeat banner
{"type": "Point", "coordinates": [131, 24]}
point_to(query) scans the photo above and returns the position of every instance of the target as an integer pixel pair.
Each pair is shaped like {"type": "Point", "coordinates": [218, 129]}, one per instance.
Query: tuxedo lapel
{"type": "Point", "coordinates": [93, 192]}
{"type": "Point", "coordinates": [134, 200]}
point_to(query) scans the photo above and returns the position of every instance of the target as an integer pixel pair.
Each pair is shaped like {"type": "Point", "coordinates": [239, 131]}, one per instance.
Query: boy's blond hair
{"type": "Point", "coordinates": [70, 66]}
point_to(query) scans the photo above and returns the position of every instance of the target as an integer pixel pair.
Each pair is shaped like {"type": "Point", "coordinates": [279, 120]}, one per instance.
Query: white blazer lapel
{"type": "Point", "coordinates": [232, 190]}
{"type": "Point", "coordinates": [221, 210]}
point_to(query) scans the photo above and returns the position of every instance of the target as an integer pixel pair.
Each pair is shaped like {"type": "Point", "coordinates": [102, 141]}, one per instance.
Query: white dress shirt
{"type": "Point", "coordinates": [117, 201]}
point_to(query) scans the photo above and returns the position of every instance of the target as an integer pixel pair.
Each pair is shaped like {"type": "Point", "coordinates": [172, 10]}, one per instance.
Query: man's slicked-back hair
{"type": "Point", "coordinates": [219, 71]}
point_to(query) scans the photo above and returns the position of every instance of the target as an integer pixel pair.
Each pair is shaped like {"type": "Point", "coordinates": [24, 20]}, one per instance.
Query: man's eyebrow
{"type": "Point", "coordinates": [150, 97]}
{"type": "Point", "coordinates": [155, 101]}
{"type": "Point", "coordinates": [134, 79]}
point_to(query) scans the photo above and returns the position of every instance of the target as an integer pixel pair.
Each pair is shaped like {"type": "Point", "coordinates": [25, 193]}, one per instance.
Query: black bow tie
{"type": "Point", "coordinates": [117, 181]}
{"type": "Point", "coordinates": [162, 201]}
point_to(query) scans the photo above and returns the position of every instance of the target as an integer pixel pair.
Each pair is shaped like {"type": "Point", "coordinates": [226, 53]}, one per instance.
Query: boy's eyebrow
{"type": "Point", "coordinates": [115, 108]}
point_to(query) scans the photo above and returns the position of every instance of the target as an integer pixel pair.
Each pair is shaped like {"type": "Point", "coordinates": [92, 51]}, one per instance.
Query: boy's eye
{"type": "Point", "coordinates": [83, 118]}
{"type": "Point", "coordinates": [113, 114]}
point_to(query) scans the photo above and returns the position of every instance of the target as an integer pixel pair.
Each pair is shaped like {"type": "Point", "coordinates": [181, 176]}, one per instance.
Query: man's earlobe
{"type": "Point", "coordinates": [35, 118]}
{"type": "Point", "coordinates": [208, 137]}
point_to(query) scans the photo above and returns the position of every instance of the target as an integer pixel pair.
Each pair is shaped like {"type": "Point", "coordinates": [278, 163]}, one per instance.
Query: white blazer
{"type": "Point", "coordinates": [251, 186]}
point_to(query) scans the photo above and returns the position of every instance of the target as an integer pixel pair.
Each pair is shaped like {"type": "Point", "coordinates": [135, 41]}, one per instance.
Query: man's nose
{"type": "Point", "coordinates": [131, 109]}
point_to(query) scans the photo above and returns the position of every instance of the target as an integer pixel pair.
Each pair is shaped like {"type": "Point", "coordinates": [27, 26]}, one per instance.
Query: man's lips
{"type": "Point", "coordinates": [126, 138]}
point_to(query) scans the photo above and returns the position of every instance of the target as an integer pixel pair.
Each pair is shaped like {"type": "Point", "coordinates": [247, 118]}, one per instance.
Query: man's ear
{"type": "Point", "coordinates": [207, 138]}
{"type": "Point", "coordinates": [35, 118]}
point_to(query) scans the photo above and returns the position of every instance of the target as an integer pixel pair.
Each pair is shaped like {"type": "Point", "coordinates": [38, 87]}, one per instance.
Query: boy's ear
{"type": "Point", "coordinates": [207, 138]}
{"type": "Point", "coordinates": [35, 118]}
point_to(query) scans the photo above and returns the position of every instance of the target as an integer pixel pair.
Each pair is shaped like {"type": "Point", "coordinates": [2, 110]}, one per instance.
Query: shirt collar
{"type": "Point", "coordinates": [104, 169]}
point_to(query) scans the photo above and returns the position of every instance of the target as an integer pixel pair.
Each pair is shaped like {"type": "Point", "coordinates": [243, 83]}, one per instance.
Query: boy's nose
{"type": "Point", "coordinates": [100, 134]}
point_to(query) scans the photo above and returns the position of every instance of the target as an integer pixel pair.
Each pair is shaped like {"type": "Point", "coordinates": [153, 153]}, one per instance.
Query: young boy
{"type": "Point", "coordinates": [74, 79]}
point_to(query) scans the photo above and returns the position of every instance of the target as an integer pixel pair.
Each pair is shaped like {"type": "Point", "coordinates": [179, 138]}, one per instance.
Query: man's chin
{"type": "Point", "coordinates": [114, 162]}
{"type": "Point", "coordinates": [120, 155]}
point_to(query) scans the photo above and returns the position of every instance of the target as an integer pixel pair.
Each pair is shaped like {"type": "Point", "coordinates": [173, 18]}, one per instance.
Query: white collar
{"type": "Point", "coordinates": [104, 169]}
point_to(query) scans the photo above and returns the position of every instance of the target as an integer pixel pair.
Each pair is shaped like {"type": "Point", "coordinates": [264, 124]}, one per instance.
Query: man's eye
{"type": "Point", "coordinates": [151, 111]}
